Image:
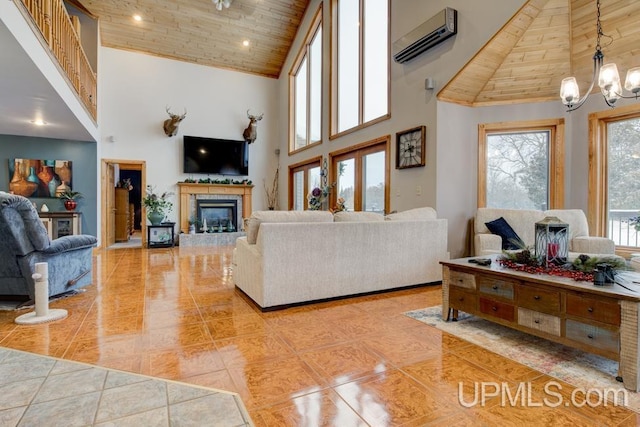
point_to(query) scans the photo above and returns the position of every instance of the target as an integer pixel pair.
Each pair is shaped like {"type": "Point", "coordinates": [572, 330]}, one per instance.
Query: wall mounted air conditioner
{"type": "Point", "coordinates": [434, 31]}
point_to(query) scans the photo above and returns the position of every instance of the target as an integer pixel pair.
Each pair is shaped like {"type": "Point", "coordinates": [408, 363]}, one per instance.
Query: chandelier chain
{"type": "Point", "coordinates": [598, 27]}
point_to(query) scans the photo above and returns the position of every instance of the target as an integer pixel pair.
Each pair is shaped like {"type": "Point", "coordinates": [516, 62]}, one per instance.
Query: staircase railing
{"type": "Point", "coordinates": [60, 32]}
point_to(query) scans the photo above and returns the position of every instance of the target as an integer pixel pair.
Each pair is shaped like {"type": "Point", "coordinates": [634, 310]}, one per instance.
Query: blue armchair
{"type": "Point", "coordinates": [24, 242]}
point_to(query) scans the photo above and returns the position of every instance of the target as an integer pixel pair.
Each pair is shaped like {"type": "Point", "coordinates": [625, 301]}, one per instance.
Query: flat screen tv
{"type": "Point", "coordinates": [215, 156]}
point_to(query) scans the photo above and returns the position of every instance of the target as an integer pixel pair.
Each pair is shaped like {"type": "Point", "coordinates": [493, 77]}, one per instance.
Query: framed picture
{"type": "Point", "coordinates": [410, 148]}
{"type": "Point", "coordinates": [39, 178]}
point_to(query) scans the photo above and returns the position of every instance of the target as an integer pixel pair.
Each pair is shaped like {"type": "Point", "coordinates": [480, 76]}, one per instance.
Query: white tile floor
{"type": "Point", "coordinates": [44, 391]}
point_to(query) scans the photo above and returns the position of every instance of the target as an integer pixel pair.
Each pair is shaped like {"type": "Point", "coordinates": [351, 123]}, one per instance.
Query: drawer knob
{"type": "Point", "coordinates": [494, 287]}
{"type": "Point", "coordinates": [494, 308]}
{"type": "Point", "coordinates": [536, 321]}
{"type": "Point", "coordinates": [536, 297]}
{"type": "Point", "coordinates": [461, 299]}
{"type": "Point", "coordinates": [590, 309]}
{"type": "Point", "coordinates": [590, 336]}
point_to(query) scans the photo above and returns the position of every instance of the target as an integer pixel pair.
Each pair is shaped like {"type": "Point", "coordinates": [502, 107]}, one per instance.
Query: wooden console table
{"type": "Point", "coordinates": [188, 189]}
{"type": "Point", "coordinates": [600, 320]}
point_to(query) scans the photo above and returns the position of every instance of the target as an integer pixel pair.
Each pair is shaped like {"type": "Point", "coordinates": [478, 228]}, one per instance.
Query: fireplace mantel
{"type": "Point", "coordinates": [188, 189]}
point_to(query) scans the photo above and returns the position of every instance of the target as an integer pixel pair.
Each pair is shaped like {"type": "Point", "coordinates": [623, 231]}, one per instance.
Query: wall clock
{"type": "Point", "coordinates": [410, 148]}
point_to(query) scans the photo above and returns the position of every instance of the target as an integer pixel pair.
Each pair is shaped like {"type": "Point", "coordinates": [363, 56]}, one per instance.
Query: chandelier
{"type": "Point", "coordinates": [220, 3]}
{"type": "Point", "coordinates": [607, 75]}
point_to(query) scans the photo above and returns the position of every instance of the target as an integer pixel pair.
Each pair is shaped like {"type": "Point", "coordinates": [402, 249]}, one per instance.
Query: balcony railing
{"type": "Point", "coordinates": [59, 32]}
{"type": "Point", "coordinates": [619, 229]}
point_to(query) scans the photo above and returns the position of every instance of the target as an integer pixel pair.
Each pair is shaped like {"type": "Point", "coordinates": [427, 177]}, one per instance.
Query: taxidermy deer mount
{"type": "Point", "coordinates": [170, 125]}
{"type": "Point", "coordinates": [251, 132]}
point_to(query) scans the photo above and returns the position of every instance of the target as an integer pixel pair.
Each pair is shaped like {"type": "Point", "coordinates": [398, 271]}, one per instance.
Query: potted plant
{"type": "Point", "coordinates": [70, 198]}
{"type": "Point", "coordinates": [157, 205]}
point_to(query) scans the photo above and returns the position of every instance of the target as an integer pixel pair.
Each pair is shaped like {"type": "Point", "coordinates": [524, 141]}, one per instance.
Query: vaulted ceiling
{"type": "Point", "coordinates": [544, 42]}
{"type": "Point", "coordinates": [194, 31]}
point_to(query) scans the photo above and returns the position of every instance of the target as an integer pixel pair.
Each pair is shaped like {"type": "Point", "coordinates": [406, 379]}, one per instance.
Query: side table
{"type": "Point", "coordinates": [161, 236]}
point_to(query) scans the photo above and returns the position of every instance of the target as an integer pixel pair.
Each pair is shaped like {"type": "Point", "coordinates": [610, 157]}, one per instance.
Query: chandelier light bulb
{"type": "Point", "coordinates": [632, 82]}
{"type": "Point", "coordinates": [222, 3]}
{"type": "Point", "coordinates": [608, 77]}
{"type": "Point", "coordinates": [569, 91]}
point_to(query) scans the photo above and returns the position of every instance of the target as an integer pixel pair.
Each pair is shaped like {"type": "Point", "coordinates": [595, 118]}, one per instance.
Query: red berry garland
{"type": "Point", "coordinates": [553, 270]}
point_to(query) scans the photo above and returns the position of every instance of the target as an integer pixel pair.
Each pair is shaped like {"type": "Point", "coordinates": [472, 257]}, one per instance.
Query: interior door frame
{"type": "Point", "coordinates": [138, 165]}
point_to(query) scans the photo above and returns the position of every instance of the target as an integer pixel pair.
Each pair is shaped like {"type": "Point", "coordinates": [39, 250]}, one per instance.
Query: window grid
{"type": "Point", "coordinates": [305, 86]}
{"type": "Point", "coordinates": [360, 88]}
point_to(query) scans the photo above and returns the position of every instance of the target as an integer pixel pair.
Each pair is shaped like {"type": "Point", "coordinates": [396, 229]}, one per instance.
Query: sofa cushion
{"type": "Point", "coordinates": [510, 239]}
{"type": "Point", "coordinates": [259, 217]}
{"type": "Point", "coordinates": [417, 214]}
{"type": "Point", "coordinates": [345, 216]}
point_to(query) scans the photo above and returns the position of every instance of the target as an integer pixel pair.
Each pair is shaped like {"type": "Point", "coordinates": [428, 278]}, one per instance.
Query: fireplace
{"type": "Point", "coordinates": [216, 215]}
{"type": "Point", "coordinates": [190, 192]}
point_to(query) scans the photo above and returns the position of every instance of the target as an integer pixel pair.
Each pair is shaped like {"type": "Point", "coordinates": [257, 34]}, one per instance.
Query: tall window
{"type": "Point", "coordinates": [521, 165]}
{"type": "Point", "coordinates": [361, 174]}
{"type": "Point", "coordinates": [305, 82]}
{"type": "Point", "coordinates": [360, 66]}
{"type": "Point", "coordinates": [614, 176]}
{"type": "Point", "coordinates": [303, 177]}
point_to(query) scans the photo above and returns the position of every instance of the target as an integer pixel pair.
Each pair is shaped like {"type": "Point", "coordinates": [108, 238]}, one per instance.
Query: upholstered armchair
{"type": "Point", "coordinates": [24, 242]}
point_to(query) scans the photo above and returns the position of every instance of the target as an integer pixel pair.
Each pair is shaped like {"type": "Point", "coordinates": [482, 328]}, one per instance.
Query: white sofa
{"type": "Point", "coordinates": [523, 223]}
{"type": "Point", "coordinates": [303, 256]}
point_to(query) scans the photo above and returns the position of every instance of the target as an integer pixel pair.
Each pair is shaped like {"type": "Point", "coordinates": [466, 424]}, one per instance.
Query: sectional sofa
{"type": "Point", "coordinates": [292, 257]}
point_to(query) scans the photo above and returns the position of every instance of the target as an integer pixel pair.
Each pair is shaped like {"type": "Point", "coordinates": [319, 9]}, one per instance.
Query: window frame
{"type": "Point", "coordinates": [335, 37]}
{"type": "Point", "coordinates": [358, 151]}
{"type": "Point", "coordinates": [304, 54]}
{"type": "Point", "coordinates": [555, 127]}
{"type": "Point", "coordinates": [598, 199]}
{"type": "Point", "coordinates": [305, 166]}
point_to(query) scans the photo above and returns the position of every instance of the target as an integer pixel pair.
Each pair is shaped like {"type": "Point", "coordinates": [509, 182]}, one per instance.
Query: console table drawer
{"type": "Point", "coordinates": [497, 309]}
{"type": "Point", "coordinates": [461, 300]}
{"type": "Point", "coordinates": [593, 336]}
{"type": "Point", "coordinates": [593, 309]}
{"type": "Point", "coordinates": [539, 321]}
{"type": "Point", "coordinates": [538, 299]}
{"type": "Point", "coordinates": [463, 280]}
{"type": "Point", "coordinates": [496, 286]}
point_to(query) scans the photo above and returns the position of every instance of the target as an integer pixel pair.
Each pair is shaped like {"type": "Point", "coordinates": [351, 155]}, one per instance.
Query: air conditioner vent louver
{"type": "Point", "coordinates": [434, 31]}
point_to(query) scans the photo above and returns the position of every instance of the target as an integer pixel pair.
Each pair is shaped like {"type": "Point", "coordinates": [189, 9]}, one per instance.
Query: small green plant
{"type": "Point", "coordinates": [68, 194]}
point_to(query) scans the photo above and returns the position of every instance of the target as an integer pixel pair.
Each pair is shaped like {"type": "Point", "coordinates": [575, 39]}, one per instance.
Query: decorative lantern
{"type": "Point", "coordinates": [552, 241]}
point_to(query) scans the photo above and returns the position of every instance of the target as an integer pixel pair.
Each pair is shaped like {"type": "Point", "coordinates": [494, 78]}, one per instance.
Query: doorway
{"type": "Point", "coordinates": [114, 172]}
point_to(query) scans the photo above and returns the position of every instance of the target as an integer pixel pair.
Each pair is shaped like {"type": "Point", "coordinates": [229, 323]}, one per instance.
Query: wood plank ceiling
{"type": "Point", "coordinates": [525, 61]}
{"type": "Point", "coordinates": [546, 41]}
{"type": "Point", "coordinates": [194, 31]}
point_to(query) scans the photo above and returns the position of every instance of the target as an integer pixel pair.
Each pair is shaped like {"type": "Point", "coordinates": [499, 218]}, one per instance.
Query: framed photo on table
{"type": "Point", "coordinates": [410, 148]}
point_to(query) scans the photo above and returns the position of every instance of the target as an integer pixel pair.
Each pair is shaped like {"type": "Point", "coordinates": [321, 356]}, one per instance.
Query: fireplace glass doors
{"type": "Point", "coordinates": [216, 215]}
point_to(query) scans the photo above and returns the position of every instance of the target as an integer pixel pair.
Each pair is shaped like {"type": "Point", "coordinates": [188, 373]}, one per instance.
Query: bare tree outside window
{"type": "Point", "coordinates": [518, 170]}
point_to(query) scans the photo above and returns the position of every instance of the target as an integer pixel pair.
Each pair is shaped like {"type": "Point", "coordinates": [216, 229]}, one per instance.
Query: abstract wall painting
{"type": "Point", "coordinates": [39, 178]}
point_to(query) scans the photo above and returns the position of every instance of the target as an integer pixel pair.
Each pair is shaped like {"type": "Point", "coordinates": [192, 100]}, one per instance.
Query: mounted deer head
{"type": "Point", "coordinates": [170, 125]}
{"type": "Point", "coordinates": [251, 132]}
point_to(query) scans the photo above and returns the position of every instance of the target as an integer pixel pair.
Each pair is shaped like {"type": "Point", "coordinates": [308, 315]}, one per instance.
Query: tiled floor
{"type": "Point", "coordinates": [42, 391]}
{"type": "Point", "coordinates": [175, 314]}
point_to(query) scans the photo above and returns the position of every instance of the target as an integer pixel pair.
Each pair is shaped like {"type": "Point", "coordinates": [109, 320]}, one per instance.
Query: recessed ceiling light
{"type": "Point", "coordinates": [38, 122]}
{"type": "Point", "coordinates": [137, 18]}
{"type": "Point", "coordinates": [245, 43]}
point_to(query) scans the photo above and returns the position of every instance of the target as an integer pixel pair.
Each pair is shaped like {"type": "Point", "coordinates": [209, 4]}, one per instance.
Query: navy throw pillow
{"type": "Point", "coordinates": [510, 239]}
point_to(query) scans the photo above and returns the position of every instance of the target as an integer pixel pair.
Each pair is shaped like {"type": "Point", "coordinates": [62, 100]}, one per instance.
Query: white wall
{"type": "Point", "coordinates": [134, 91]}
